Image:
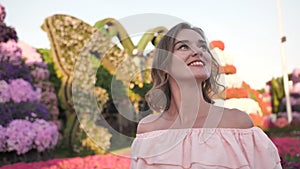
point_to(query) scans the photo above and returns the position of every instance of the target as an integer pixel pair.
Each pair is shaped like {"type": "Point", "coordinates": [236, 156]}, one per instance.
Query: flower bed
{"type": "Point", "coordinates": [289, 151]}
{"type": "Point", "coordinates": [28, 106]}
{"type": "Point", "coordinates": [288, 147]}
{"type": "Point", "coordinates": [109, 161]}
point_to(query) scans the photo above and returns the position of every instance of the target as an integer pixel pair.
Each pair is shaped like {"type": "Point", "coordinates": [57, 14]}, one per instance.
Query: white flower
{"type": "Point", "coordinates": [232, 81]}
{"type": "Point", "coordinates": [244, 104]}
{"type": "Point", "coordinates": [224, 57]}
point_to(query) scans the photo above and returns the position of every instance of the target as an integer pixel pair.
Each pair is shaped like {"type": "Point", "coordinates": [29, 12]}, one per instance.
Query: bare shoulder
{"type": "Point", "coordinates": [147, 123]}
{"type": "Point", "coordinates": [235, 118]}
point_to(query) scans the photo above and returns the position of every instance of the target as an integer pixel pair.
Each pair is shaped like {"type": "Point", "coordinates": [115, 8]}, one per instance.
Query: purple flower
{"type": "Point", "coordinates": [7, 33]}
{"type": "Point", "coordinates": [46, 134]}
{"type": "Point", "coordinates": [10, 52]}
{"type": "Point", "coordinates": [49, 98]}
{"type": "Point", "coordinates": [9, 71]}
{"type": "Point", "coordinates": [4, 92]}
{"type": "Point", "coordinates": [31, 111]}
{"type": "Point", "coordinates": [40, 74]}
{"type": "Point", "coordinates": [295, 77]}
{"type": "Point", "coordinates": [5, 115]}
{"type": "Point", "coordinates": [2, 13]}
{"type": "Point", "coordinates": [23, 110]}
{"type": "Point", "coordinates": [2, 139]}
{"type": "Point", "coordinates": [20, 135]}
{"type": "Point", "coordinates": [21, 90]}
{"type": "Point", "coordinates": [46, 86]}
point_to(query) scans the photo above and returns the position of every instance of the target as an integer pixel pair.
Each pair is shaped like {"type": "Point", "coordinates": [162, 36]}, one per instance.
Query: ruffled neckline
{"type": "Point", "coordinates": [220, 147]}
{"type": "Point", "coordinates": [160, 131]}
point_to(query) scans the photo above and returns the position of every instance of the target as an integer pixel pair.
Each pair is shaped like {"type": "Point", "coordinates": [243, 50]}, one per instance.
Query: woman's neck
{"type": "Point", "coordinates": [187, 101]}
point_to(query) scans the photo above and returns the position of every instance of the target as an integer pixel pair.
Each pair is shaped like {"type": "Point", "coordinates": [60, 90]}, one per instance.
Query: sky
{"type": "Point", "coordinates": [249, 28]}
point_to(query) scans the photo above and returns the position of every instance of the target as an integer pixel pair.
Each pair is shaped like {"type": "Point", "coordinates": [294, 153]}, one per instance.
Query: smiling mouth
{"type": "Point", "coordinates": [196, 63]}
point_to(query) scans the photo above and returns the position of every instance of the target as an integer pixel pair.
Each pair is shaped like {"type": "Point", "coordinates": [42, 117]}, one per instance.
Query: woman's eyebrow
{"type": "Point", "coordinates": [202, 41]}
{"type": "Point", "coordinates": [181, 41]}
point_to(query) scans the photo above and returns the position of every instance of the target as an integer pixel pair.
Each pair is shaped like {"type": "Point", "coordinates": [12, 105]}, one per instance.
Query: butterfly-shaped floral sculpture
{"type": "Point", "coordinates": [78, 47]}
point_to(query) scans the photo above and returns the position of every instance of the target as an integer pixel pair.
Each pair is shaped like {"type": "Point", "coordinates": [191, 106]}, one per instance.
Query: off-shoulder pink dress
{"type": "Point", "coordinates": [204, 148]}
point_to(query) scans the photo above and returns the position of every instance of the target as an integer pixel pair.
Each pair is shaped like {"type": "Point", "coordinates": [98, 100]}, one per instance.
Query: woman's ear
{"type": "Point", "coordinates": [167, 76]}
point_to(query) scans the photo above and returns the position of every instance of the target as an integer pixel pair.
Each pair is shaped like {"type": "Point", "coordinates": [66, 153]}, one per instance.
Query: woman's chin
{"type": "Point", "coordinates": [196, 77]}
{"type": "Point", "coordinates": [201, 76]}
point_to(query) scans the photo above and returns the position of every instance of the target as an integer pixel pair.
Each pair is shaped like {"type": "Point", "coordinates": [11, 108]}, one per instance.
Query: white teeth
{"type": "Point", "coordinates": [196, 63]}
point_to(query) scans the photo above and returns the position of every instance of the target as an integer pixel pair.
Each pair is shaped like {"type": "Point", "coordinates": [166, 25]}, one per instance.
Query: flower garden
{"type": "Point", "coordinates": [42, 126]}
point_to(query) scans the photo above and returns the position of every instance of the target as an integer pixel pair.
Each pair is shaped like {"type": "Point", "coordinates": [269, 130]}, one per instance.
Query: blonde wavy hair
{"type": "Point", "coordinates": [159, 96]}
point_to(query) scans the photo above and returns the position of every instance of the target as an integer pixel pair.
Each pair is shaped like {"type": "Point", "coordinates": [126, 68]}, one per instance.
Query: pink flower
{"type": "Point", "coordinates": [19, 136]}
{"type": "Point", "coordinates": [30, 54]}
{"type": "Point", "coordinates": [40, 74]}
{"type": "Point", "coordinates": [96, 162]}
{"type": "Point", "coordinates": [46, 86]}
{"type": "Point", "coordinates": [281, 122]}
{"type": "Point", "coordinates": [4, 92]}
{"type": "Point", "coordinates": [46, 134]}
{"type": "Point", "coordinates": [21, 90]}
{"type": "Point", "coordinates": [22, 136]}
{"type": "Point", "coordinates": [296, 88]}
{"type": "Point", "coordinates": [287, 145]}
{"type": "Point", "coordinates": [10, 52]}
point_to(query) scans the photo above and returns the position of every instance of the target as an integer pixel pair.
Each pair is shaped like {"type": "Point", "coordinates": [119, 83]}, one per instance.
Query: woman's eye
{"type": "Point", "coordinates": [203, 47]}
{"type": "Point", "coordinates": [183, 47]}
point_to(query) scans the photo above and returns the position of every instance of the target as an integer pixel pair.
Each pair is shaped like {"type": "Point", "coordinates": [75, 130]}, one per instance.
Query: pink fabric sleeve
{"type": "Point", "coordinates": [219, 148]}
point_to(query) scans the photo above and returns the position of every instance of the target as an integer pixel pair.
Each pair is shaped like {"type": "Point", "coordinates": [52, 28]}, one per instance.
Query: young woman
{"type": "Point", "coordinates": [189, 131]}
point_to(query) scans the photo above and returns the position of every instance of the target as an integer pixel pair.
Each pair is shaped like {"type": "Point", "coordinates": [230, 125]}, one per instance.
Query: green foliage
{"type": "Point", "coordinates": [277, 90]}
{"type": "Point", "coordinates": [54, 78]}
{"type": "Point", "coordinates": [54, 73]}
{"type": "Point", "coordinates": [75, 146]}
{"type": "Point", "coordinates": [290, 158]}
{"type": "Point", "coordinates": [142, 91]}
{"type": "Point", "coordinates": [261, 91]}
{"type": "Point", "coordinates": [287, 131]}
{"type": "Point", "coordinates": [104, 80]}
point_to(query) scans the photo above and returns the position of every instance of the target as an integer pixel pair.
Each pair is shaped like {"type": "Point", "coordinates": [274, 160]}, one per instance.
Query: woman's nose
{"type": "Point", "coordinates": [197, 52]}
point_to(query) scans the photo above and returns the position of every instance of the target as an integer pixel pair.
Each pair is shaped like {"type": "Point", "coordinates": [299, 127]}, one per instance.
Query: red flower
{"type": "Point", "coordinates": [257, 120]}
{"type": "Point", "coordinates": [235, 93]}
{"type": "Point", "coordinates": [217, 44]}
{"type": "Point", "coordinates": [228, 69]}
{"type": "Point", "coordinates": [109, 161]}
{"type": "Point", "coordinates": [281, 122]}
{"type": "Point", "coordinates": [287, 145]}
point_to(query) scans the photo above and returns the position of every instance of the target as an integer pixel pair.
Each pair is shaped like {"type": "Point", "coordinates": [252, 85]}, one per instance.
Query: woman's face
{"type": "Point", "coordinates": [192, 59]}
